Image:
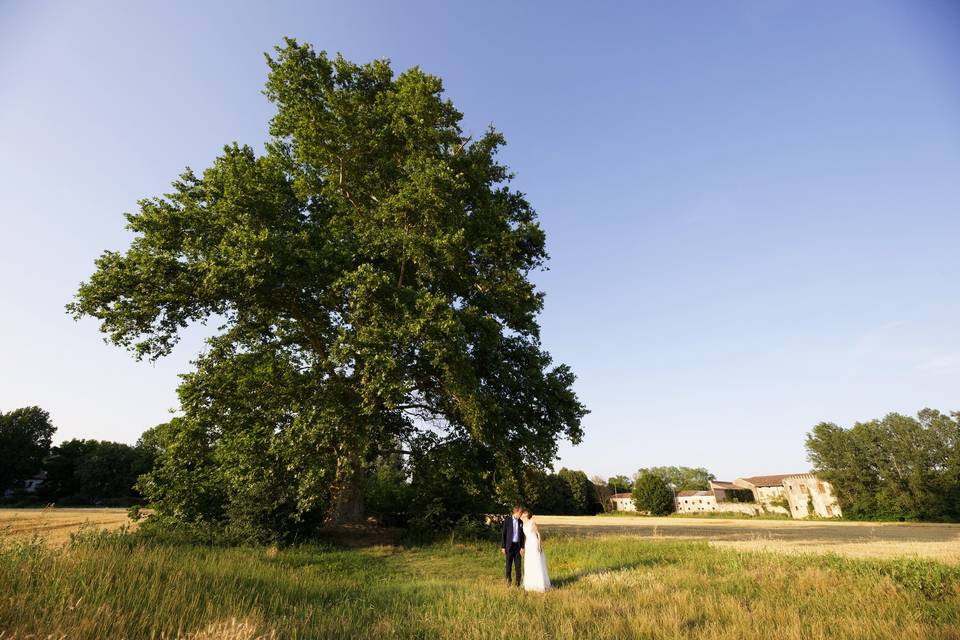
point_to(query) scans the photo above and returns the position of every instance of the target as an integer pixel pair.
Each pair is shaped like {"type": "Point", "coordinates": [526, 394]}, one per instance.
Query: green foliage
{"type": "Point", "coordinates": [652, 495]}
{"type": "Point", "coordinates": [25, 437]}
{"type": "Point", "coordinates": [584, 499]}
{"type": "Point", "coordinates": [94, 472]}
{"type": "Point", "coordinates": [547, 493]}
{"type": "Point", "coordinates": [369, 277]}
{"type": "Point", "coordinates": [450, 481]}
{"type": "Point", "coordinates": [682, 478]}
{"type": "Point", "coordinates": [388, 493]}
{"type": "Point", "coordinates": [897, 467]}
{"type": "Point", "coordinates": [619, 484]}
{"type": "Point", "coordinates": [184, 483]}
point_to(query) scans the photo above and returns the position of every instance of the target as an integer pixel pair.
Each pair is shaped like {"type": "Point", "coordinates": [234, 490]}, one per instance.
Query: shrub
{"type": "Point", "coordinates": [651, 494]}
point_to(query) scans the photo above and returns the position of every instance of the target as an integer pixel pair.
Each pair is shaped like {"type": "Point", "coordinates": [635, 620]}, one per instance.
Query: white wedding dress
{"type": "Point", "coordinates": [535, 576]}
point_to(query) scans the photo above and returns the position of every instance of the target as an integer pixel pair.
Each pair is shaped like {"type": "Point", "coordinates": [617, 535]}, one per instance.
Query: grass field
{"type": "Point", "coordinates": [657, 578]}
{"type": "Point", "coordinates": [607, 587]}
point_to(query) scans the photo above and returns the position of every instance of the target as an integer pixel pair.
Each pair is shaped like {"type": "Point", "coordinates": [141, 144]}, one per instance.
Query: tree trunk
{"type": "Point", "coordinates": [346, 505]}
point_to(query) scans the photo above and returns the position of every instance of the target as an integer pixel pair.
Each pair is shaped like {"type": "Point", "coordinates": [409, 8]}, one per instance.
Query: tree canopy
{"type": "Point", "coordinates": [94, 472]}
{"type": "Point", "coordinates": [369, 278]}
{"type": "Point", "coordinates": [682, 478]}
{"type": "Point", "coordinates": [894, 467]}
{"type": "Point", "coordinates": [25, 437]}
{"type": "Point", "coordinates": [652, 495]}
{"type": "Point", "coordinates": [620, 484]}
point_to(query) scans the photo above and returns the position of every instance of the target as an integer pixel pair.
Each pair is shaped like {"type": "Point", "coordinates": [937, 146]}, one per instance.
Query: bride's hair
{"type": "Point", "coordinates": [528, 512]}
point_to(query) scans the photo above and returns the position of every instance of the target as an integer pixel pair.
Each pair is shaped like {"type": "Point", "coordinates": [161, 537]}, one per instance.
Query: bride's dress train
{"type": "Point", "coordinates": [535, 575]}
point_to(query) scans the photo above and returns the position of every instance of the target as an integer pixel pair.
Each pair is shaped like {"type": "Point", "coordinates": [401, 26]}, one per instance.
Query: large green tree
{"type": "Point", "coordinates": [895, 467]}
{"type": "Point", "coordinates": [25, 437]}
{"type": "Point", "coordinates": [369, 276]}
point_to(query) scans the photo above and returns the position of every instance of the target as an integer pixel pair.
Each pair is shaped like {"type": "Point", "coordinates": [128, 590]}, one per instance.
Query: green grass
{"type": "Point", "coordinates": [114, 586]}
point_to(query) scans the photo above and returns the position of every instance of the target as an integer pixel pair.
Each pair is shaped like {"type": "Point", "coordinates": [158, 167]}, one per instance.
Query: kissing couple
{"type": "Point", "coordinates": [521, 541]}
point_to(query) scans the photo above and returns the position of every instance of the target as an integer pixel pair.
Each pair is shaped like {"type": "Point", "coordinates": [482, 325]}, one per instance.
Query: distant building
{"type": "Point", "coordinates": [806, 493]}
{"type": "Point", "coordinates": [767, 491]}
{"type": "Point", "coordinates": [622, 502]}
{"type": "Point", "coordinates": [727, 491]}
{"type": "Point", "coordinates": [30, 485]}
{"type": "Point", "coordinates": [722, 497]}
{"type": "Point", "coordinates": [797, 494]}
{"type": "Point", "coordinates": [695, 501]}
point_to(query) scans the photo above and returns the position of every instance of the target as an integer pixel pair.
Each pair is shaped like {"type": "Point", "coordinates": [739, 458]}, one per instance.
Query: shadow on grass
{"type": "Point", "coordinates": [356, 536]}
{"type": "Point", "coordinates": [567, 580]}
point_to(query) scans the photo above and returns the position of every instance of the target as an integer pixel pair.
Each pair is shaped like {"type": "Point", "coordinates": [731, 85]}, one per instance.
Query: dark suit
{"type": "Point", "coordinates": [512, 549]}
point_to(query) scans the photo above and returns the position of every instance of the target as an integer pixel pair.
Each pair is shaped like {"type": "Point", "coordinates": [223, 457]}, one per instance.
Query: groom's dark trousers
{"type": "Point", "coordinates": [512, 549]}
{"type": "Point", "coordinates": [513, 561]}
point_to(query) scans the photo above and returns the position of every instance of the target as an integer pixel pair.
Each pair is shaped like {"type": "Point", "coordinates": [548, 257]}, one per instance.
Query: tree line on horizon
{"type": "Point", "coordinates": [77, 472]}
{"type": "Point", "coordinates": [894, 468]}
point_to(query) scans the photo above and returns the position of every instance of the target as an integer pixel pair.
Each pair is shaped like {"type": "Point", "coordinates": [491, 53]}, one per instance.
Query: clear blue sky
{"type": "Point", "coordinates": [753, 208]}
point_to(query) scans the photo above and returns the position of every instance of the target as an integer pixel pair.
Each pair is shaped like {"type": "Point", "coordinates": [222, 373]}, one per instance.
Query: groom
{"type": "Point", "coordinates": [512, 542]}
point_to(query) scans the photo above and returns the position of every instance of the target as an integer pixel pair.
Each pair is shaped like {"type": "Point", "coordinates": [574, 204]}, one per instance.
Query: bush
{"type": "Point", "coordinates": [651, 494]}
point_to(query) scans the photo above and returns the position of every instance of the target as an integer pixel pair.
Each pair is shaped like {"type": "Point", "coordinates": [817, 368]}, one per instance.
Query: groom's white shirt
{"type": "Point", "coordinates": [516, 535]}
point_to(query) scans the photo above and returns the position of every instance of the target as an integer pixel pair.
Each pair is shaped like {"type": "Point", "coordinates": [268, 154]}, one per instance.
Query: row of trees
{"type": "Point", "coordinates": [435, 491]}
{"type": "Point", "coordinates": [76, 472]}
{"type": "Point", "coordinates": [680, 478]}
{"type": "Point", "coordinates": [897, 467]}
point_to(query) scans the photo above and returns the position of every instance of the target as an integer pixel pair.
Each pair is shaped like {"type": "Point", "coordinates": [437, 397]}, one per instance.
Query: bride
{"type": "Point", "coordinates": [535, 577]}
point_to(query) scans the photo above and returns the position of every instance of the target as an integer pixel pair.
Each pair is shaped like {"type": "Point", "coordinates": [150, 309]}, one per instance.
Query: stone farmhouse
{"type": "Point", "coordinates": [622, 502]}
{"type": "Point", "coordinates": [798, 494]}
{"type": "Point", "coordinates": [805, 494]}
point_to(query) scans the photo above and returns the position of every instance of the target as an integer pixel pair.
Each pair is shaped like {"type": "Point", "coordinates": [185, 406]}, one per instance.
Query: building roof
{"type": "Point", "coordinates": [770, 481]}
{"type": "Point", "coordinates": [723, 484]}
{"type": "Point", "coordinates": [621, 496]}
{"type": "Point", "coordinates": [686, 493]}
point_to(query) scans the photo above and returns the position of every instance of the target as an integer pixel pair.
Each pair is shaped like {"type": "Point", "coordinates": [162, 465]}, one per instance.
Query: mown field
{"type": "Point", "coordinates": [608, 586]}
{"type": "Point", "coordinates": [56, 525]}
{"type": "Point", "coordinates": [852, 539]}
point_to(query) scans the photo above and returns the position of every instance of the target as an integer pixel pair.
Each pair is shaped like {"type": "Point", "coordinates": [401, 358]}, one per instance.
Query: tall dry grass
{"type": "Point", "coordinates": [117, 586]}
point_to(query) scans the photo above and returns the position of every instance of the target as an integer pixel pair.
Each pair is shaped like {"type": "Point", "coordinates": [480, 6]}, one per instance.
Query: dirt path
{"type": "Point", "coordinates": [56, 525]}
{"type": "Point", "coordinates": [856, 539]}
